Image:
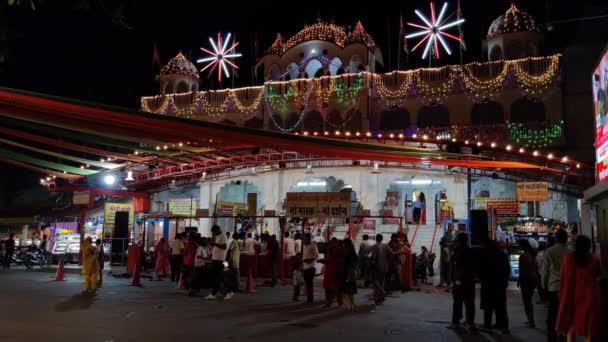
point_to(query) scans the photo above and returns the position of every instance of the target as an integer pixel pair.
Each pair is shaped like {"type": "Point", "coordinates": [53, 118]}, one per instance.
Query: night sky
{"type": "Point", "coordinates": [102, 50]}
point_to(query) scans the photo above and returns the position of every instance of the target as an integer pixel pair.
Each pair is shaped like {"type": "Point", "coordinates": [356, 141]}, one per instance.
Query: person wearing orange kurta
{"type": "Point", "coordinates": [89, 265]}
{"type": "Point", "coordinates": [579, 294]}
{"type": "Point", "coordinates": [162, 267]}
{"type": "Point", "coordinates": [406, 271]}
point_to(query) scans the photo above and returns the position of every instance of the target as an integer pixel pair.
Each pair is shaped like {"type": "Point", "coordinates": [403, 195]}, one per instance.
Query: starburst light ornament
{"type": "Point", "coordinates": [221, 56]}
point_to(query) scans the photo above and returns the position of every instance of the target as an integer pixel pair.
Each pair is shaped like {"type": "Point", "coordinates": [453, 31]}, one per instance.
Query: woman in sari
{"type": "Point", "coordinates": [334, 258]}
{"type": "Point", "coordinates": [162, 267]}
{"type": "Point", "coordinates": [89, 265]}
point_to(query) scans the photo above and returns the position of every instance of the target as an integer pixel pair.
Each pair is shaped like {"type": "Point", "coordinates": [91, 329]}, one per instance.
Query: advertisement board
{"type": "Point", "coordinates": [110, 210]}
{"type": "Point", "coordinates": [183, 207]}
{"type": "Point", "coordinates": [600, 108]}
{"type": "Point", "coordinates": [318, 204]}
{"type": "Point", "coordinates": [532, 191]}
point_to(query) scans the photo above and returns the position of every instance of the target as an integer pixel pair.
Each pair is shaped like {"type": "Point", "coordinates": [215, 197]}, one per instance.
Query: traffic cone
{"type": "Point", "coordinates": [250, 282]}
{"type": "Point", "coordinates": [136, 278]}
{"type": "Point", "coordinates": [180, 283]}
{"type": "Point", "coordinates": [60, 275]}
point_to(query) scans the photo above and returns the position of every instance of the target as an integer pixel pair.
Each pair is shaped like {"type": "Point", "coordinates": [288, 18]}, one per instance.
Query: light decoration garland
{"type": "Point", "coordinates": [305, 110]}
{"type": "Point", "coordinates": [220, 56]}
{"type": "Point", "coordinates": [479, 81]}
{"type": "Point", "coordinates": [534, 137]}
{"type": "Point", "coordinates": [513, 20]}
{"type": "Point", "coordinates": [433, 31]}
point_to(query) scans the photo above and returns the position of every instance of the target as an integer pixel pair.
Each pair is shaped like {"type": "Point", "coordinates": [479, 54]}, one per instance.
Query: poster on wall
{"type": "Point", "coordinates": [183, 207]}
{"type": "Point", "coordinates": [532, 191]}
{"type": "Point", "coordinates": [369, 226]}
{"type": "Point", "coordinates": [110, 211]}
{"type": "Point", "coordinates": [600, 107]}
{"type": "Point", "coordinates": [226, 208]}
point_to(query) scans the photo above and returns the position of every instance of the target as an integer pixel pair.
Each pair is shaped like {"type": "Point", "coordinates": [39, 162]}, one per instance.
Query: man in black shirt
{"type": "Point", "coordinates": [463, 280]}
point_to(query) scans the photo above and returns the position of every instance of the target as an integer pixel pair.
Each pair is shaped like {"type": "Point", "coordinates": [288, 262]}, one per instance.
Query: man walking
{"type": "Point", "coordinates": [463, 290]}
{"type": "Point", "coordinates": [380, 259]}
{"type": "Point", "coordinates": [218, 255]}
{"type": "Point", "coordinates": [551, 279]}
{"type": "Point", "coordinates": [289, 253]}
{"type": "Point", "coordinates": [310, 255]}
{"type": "Point", "coordinates": [177, 250]}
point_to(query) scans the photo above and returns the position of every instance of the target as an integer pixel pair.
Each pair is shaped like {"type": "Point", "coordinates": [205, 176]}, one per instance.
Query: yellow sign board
{"type": "Point", "coordinates": [183, 207]}
{"type": "Point", "coordinates": [532, 191]}
{"type": "Point", "coordinates": [110, 211]}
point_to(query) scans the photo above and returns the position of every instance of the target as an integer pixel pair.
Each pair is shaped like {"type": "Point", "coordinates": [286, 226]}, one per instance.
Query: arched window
{"type": "Point", "coordinates": [293, 70]}
{"type": "Point", "coordinates": [433, 116]}
{"type": "Point", "coordinates": [355, 62]}
{"type": "Point", "coordinates": [396, 119]}
{"type": "Point", "coordinates": [313, 67]}
{"type": "Point", "coordinates": [528, 110]}
{"type": "Point", "coordinates": [487, 113]}
{"type": "Point", "coordinates": [335, 65]}
{"type": "Point", "coordinates": [274, 73]}
{"type": "Point", "coordinates": [182, 87]}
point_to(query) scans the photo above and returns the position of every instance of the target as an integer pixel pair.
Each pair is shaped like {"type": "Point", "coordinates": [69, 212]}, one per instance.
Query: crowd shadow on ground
{"type": "Point", "coordinates": [79, 301]}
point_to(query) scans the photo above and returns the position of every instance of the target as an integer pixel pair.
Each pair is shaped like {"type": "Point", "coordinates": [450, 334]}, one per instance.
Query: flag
{"type": "Point", "coordinates": [460, 32]}
{"type": "Point", "coordinates": [402, 36]}
{"type": "Point", "coordinates": [155, 55]}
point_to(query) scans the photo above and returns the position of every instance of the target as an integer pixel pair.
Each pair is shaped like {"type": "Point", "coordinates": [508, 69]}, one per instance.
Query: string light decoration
{"type": "Point", "coordinates": [433, 31]}
{"type": "Point", "coordinates": [534, 137]}
{"type": "Point", "coordinates": [513, 20]}
{"type": "Point", "coordinates": [179, 65]}
{"type": "Point", "coordinates": [221, 55]}
{"type": "Point", "coordinates": [301, 116]}
{"type": "Point", "coordinates": [277, 47]}
{"type": "Point", "coordinates": [359, 35]}
{"type": "Point", "coordinates": [328, 32]}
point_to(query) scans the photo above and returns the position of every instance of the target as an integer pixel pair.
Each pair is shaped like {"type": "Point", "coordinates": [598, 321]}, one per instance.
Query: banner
{"type": "Point", "coordinates": [183, 207]}
{"type": "Point", "coordinates": [503, 207]}
{"type": "Point", "coordinates": [110, 210]}
{"type": "Point", "coordinates": [532, 191]}
{"type": "Point", "coordinates": [225, 208]}
{"type": "Point", "coordinates": [369, 226]}
{"type": "Point", "coordinates": [318, 204]}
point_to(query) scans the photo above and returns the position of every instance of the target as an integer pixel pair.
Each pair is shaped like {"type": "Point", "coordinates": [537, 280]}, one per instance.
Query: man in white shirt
{"type": "Point", "coordinates": [177, 248]}
{"type": "Point", "coordinates": [318, 237]}
{"type": "Point", "coordinates": [289, 253]}
{"type": "Point", "coordinates": [310, 255]}
{"type": "Point", "coordinates": [218, 255]}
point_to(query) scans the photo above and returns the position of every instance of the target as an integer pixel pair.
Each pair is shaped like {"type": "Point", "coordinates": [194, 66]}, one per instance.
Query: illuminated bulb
{"type": "Point", "coordinates": [54, 177]}
{"type": "Point", "coordinates": [48, 179]}
{"type": "Point", "coordinates": [102, 160]}
{"type": "Point", "coordinates": [550, 156]}
{"type": "Point", "coordinates": [87, 165]}
{"type": "Point", "coordinates": [509, 147]}
{"type": "Point", "coordinates": [379, 135]}
{"type": "Point", "coordinates": [65, 172]}
{"type": "Point", "coordinates": [479, 143]}
{"type": "Point", "coordinates": [357, 134]}
{"type": "Point", "coordinates": [391, 135]}
{"type": "Point", "coordinates": [326, 133]}
{"type": "Point", "coordinates": [521, 150]}
{"type": "Point", "coordinates": [348, 134]}
{"type": "Point", "coordinates": [438, 138]}
{"type": "Point", "coordinates": [305, 132]}
{"type": "Point", "coordinates": [425, 137]}
{"type": "Point", "coordinates": [565, 159]}
{"type": "Point", "coordinates": [337, 133]}
{"type": "Point", "coordinates": [136, 152]}
{"type": "Point", "coordinates": [315, 133]}
{"type": "Point", "coordinates": [414, 136]}
{"type": "Point", "coordinates": [578, 166]}
{"type": "Point", "coordinates": [453, 139]}
{"type": "Point", "coordinates": [82, 166]}
{"type": "Point", "coordinates": [158, 148]}
{"type": "Point", "coordinates": [400, 136]}
{"type": "Point", "coordinates": [535, 153]}
{"type": "Point", "coordinates": [493, 145]}
{"type": "Point", "coordinates": [466, 142]}
{"type": "Point", "coordinates": [296, 133]}
{"type": "Point", "coordinates": [165, 147]}
{"type": "Point", "coordinates": [368, 134]}
{"type": "Point", "coordinates": [180, 144]}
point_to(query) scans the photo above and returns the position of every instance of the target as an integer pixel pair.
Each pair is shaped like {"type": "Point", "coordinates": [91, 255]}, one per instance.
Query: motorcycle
{"type": "Point", "coordinates": [29, 257]}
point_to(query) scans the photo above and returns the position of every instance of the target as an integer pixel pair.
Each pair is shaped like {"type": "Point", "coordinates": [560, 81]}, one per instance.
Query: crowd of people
{"type": "Point", "coordinates": [566, 276]}
{"type": "Point", "coordinates": [565, 273]}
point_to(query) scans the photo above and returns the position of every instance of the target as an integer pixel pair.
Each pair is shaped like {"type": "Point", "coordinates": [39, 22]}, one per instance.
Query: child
{"type": "Point", "coordinates": [298, 281]}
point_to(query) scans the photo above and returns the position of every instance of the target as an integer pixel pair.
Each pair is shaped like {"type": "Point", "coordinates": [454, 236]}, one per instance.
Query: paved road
{"type": "Point", "coordinates": [43, 310]}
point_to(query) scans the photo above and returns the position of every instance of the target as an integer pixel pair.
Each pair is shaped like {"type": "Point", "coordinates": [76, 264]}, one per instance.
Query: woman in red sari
{"type": "Point", "coordinates": [333, 260]}
{"type": "Point", "coordinates": [163, 254]}
{"type": "Point", "coordinates": [406, 272]}
{"type": "Point", "coordinates": [579, 293]}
